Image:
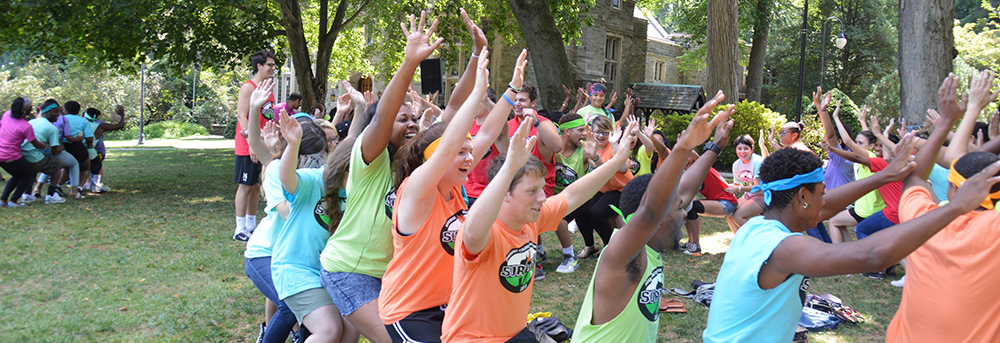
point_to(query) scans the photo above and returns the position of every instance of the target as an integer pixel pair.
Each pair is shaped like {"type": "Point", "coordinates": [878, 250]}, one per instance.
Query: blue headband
{"type": "Point", "coordinates": [785, 184]}
{"type": "Point", "coordinates": [49, 107]}
{"type": "Point", "coordinates": [300, 115]}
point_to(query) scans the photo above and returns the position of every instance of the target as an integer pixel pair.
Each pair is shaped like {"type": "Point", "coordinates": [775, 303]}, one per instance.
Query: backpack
{"type": "Point", "coordinates": [816, 320]}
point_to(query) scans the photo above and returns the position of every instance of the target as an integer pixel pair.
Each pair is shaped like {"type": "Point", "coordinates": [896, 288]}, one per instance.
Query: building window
{"type": "Point", "coordinates": [612, 57]}
{"type": "Point", "coordinates": [658, 68]}
{"type": "Point", "coordinates": [616, 4]}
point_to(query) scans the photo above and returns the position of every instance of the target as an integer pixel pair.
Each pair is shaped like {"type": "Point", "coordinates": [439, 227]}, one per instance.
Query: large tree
{"type": "Point", "coordinates": [760, 17]}
{"type": "Point", "coordinates": [545, 42]}
{"type": "Point", "coordinates": [722, 50]}
{"type": "Point", "coordinates": [926, 52]}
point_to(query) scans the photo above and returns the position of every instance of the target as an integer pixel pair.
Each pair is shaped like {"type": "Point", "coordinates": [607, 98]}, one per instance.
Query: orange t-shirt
{"type": "Point", "coordinates": [618, 181]}
{"type": "Point", "coordinates": [419, 275]}
{"type": "Point", "coordinates": [949, 294]}
{"type": "Point", "coordinates": [491, 291]}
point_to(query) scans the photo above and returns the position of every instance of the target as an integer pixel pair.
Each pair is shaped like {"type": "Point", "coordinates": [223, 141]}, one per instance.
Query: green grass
{"type": "Point", "coordinates": [152, 261]}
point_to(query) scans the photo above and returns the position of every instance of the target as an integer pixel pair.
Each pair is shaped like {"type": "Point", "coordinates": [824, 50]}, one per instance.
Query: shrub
{"type": "Point", "coordinates": [173, 129]}
{"type": "Point", "coordinates": [749, 118]}
{"type": "Point", "coordinates": [230, 131]}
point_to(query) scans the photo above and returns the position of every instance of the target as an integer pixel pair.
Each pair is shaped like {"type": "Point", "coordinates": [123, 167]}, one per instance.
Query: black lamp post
{"type": "Point", "coordinates": [802, 62]}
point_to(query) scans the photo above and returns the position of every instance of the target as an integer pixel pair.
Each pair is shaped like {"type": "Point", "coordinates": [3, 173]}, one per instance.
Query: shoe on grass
{"type": "Point", "coordinates": [588, 251]}
{"type": "Point", "coordinates": [540, 256]}
{"type": "Point", "coordinates": [241, 235]}
{"type": "Point", "coordinates": [260, 335]}
{"type": "Point", "coordinates": [26, 198]}
{"type": "Point", "coordinates": [898, 283]}
{"type": "Point", "coordinates": [692, 249]}
{"type": "Point", "coordinates": [14, 204]}
{"type": "Point", "coordinates": [879, 275]}
{"type": "Point", "coordinates": [54, 199]}
{"type": "Point", "coordinates": [539, 273]}
{"type": "Point", "coordinates": [568, 264]}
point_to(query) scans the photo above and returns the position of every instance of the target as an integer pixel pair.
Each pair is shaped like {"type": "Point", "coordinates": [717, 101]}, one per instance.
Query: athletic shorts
{"type": "Point", "coordinates": [854, 214]}
{"type": "Point", "coordinates": [96, 163]}
{"type": "Point", "coordinates": [46, 165]}
{"type": "Point", "coordinates": [420, 326]}
{"type": "Point", "coordinates": [78, 150]}
{"type": "Point", "coordinates": [305, 302]}
{"type": "Point", "coordinates": [247, 172]}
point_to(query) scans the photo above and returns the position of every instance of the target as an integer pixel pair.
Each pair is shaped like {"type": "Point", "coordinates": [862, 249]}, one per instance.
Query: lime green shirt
{"type": "Point", "coordinates": [872, 202]}
{"type": "Point", "coordinates": [645, 161]}
{"type": "Point", "coordinates": [569, 169]}
{"type": "Point", "coordinates": [363, 242]}
{"type": "Point", "coordinates": [587, 111]}
{"type": "Point", "coordinates": [638, 322]}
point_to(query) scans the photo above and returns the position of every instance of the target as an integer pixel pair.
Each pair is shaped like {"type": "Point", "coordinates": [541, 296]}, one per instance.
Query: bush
{"type": "Point", "coordinates": [130, 133]}
{"type": "Point", "coordinates": [173, 129]}
{"type": "Point", "coordinates": [230, 131]}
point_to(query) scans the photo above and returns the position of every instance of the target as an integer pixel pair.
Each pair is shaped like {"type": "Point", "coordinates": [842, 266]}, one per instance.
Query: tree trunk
{"type": "Point", "coordinates": [722, 52]}
{"type": "Point", "coordinates": [299, 49]}
{"type": "Point", "coordinates": [926, 52]}
{"type": "Point", "coordinates": [758, 51]}
{"type": "Point", "coordinates": [545, 49]}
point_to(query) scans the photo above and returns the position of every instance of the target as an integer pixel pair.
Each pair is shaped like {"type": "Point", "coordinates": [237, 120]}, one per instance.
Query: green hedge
{"type": "Point", "coordinates": [163, 129]}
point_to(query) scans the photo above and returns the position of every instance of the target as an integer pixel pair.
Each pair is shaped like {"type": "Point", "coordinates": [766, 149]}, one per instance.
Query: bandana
{"type": "Point", "coordinates": [785, 184]}
{"type": "Point", "coordinates": [313, 160]}
{"type": "Point", "coordinates": [434, 145]}
{"type": "Point", "coordinates": [619, 211]}
{"type": "Point", "coordinates": [49, 107]}
{"type": "Point", "coordinates": [597, 88]}
{"type": "Point", "coordinates": [958, 180]}
{"type": "Point", "coordinates": [572, 124]}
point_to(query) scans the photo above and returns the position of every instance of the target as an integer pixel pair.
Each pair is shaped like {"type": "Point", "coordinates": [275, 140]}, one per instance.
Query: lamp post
{"type": "Point", "coordinates": [840, 42]}
{"type": "Point", "coordinates": [802, 62]}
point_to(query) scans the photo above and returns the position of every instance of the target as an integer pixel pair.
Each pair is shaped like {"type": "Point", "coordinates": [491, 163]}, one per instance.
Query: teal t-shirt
{"type": "Point", "coordinates": [939, 181]}
{"type": "Point", "coordinates": [298, 243]}
{"type": "Point", "coordinates": [262, 240]}
{"type": "Point", "coordinates": [78, 124]}
{"type": "Point", "coordinates": [363, 241]}
{"type": "Point", "coordinates": [45, 132]}
{"type": "Point", "coordinates": [741, 311]}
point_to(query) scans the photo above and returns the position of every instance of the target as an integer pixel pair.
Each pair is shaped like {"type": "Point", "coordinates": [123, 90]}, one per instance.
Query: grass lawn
{"type": "Point", "coordinates": [153, 261]}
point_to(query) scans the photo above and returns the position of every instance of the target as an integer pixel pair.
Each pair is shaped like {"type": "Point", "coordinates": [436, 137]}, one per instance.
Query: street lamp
{"type": "Point", "coordinates": [840, 42]}
{"type": "Point", "coordinates": [802, 62]}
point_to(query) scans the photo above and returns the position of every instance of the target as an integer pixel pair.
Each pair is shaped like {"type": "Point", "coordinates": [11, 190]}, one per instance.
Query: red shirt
{"type": "Point", "coordinates": [891, 192]}
{"type": "Point", "coordinates": [266, 113]}
{"type": "Point", "coordinates": [478, 178]}
{"type": "Point", "coordinates": [550, 165]}
{"type": "Point", "coordinates": [714, 187]}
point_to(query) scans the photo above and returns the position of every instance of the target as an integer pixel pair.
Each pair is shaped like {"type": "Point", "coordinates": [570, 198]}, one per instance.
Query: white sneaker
{"type": "Point", "coordinates": [26, 198]}
{"type": "Point", "coordinates": [94, 188]}
{"type": "Point", "coordinates": [572, 226]}
{"type": "Point", "coordinates": [241, 235]}
{"type": "Point", "coordinates": [102, 188]}
{"type": "Point", "coordinates": [54, 199]}
{"type": "Point", "coordinates": [568, 264]}
{"type": "Point", "coordinates": [13, 204]}
{"type": "Point", "coordinates": [899, 283]}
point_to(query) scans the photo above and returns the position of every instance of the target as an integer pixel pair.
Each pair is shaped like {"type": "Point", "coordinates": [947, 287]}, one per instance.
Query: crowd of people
{"type": "Point", "coordinates": [54, 145]}
{"type": "Point", "coordinates": [406, 222]}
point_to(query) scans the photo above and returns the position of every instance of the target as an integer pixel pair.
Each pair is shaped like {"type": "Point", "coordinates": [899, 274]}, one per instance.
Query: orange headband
{"type": "Point", "coordinates": [958, 180]}
{"type": "Point", "coordinates": [433, 146]}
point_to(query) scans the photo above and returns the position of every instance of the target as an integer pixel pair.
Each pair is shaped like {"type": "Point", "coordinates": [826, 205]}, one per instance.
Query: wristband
{"type": "Point", "coordinates": [508, 100]}
{"type": "Point", "coordinates": [516, 90]}
{"type": "Point", "coordinates": [710, 146]}
{"type": "Point", "coordinates": [535, 124]}
{"type": "Point", "coordinates": [474, 55]}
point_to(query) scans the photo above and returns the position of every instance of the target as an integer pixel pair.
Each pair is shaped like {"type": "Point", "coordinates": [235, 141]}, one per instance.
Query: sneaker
{"type": "Point", "coordinates": [540, 256]}
{"type": "Point", "coordinates": [94, 188]}
{"type": "Point", "coordinates": [260, 335]}
{"type": "Point", "coordinates": [241, 235]}
{"type": "Point", "coordinates": [683, 247]}
{"type": "Point", "coordinates": [59, 191]}
{"type": "Point", "coordinates": [54, 199]}
{"type": "Point", "coordinates": [102, 188]}
{"type": "Point", "coordinates": [568, 264]}
{"type": "Point", "coordinates": [14, 204]}
{"type": "Point", "coordinates": [898, 283]}
{"type": "Point", "coordinates": [692, 249]}
{"type": "Point", "coordinates": [539, 274]}
{"type": "Point", "coordinates": [879, 275]}
{"type": "Point", "coordinates": [26, 198]}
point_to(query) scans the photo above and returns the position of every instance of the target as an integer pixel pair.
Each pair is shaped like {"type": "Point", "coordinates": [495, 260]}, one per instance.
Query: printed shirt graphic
{"type": "Point", "coordinates": [419, 275]}
{"type": "Point", "coordinates": [492, 290]}
{"type": "Point", "coordinates": [569, 169]}
{"type": "Point", "coordinates": [747, 173]}
{"type": "Point", "coordinates": [639, 321]}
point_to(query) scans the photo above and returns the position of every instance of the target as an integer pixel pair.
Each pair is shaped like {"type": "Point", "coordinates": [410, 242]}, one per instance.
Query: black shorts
{"type": "Point", "coordinates": [855, 214]}
{"type": "Point", "coordinates": [96, 164]}
{"type": "Point", "coordinates": [420, 326]}
{"type": "Point", "coordinates": [78, 150]}
{"type": "Point", "coordinates": [247, 172]}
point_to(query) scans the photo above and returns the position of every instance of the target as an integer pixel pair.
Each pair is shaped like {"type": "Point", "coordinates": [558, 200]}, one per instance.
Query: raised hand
{"type": "Point", "coordinates": [616, 135]}
{"type": "Point", "coordinates": [971, 194]}
{"type": "Point", "coordinates": [825, 145]}
{"type": "Point", "coordinates": [344, 103]}
{"type": "Point", "coordinates": [370, 98]}
{"type": "Point", "coordinates": [820, 101]}
{"type": "Point", "coordinates": [271, 137]}
{"type": "Point", "coordinates": [979, 91]}
{"type": "Point", "coordinates": [875, 126]}
{"type": "Point", "coordinates": [836, 112]}
{"type": "Point", "coordinates": [517, 80]}
{"type": "Point", "coordinates": [614, 98]}
{"type": "Point", "coordinates": [427, 118]}
{"type": "Point", "coordinates": [418, 43]}
{"type": "Point", "coordinates": [903, 163]}
{"type": "Point", "coordinates": [478, 37]}
{"type": "Point", "coordinates": [903, 129]}
{"type": "Point", "coordinates": [725, 126]}
{"type": "Point", "coordinates": [291, 131]}
{"type": "Point", "coordinates": [650, 128]}
{"type": "Point", "coordinates": [625, 141]}
{"type": "Point", "coordinates": [700, 126]}
{"type": "Point", "coordinates": [569, 94]}
{"type": "Point", "coordinates": [948, 104]}
{"type": "Point", "coordinates": [994, 129]}
{"type": "Point", "coordinates": [863, 115]}
{"type": "Point", "coordinates": [629, 105]}
{"type": "Point", "coordinates": [261, 94]}
{"type": "Point", "coordinates": [520, 146]}
{"type": "Point", "coordinates": [590, 145]}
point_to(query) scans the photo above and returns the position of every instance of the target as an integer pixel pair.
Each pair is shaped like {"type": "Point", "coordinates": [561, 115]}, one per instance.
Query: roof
{"type": "Point", "coordinates": [669, 97]}
{"type": "Point", "coordinates": [654, 31]}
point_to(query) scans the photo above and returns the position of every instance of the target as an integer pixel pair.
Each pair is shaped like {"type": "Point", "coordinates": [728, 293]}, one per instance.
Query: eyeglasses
{"type": "Point", "coordinates": [601, 133]}
{"type": "Point", "coordinates": [270, 65]}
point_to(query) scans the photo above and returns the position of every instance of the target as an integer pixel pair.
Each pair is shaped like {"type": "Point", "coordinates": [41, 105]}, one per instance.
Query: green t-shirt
{"type": "Point", "coordinates": [45, 132]}
{"type": "Point", "coordinates": [362, 243]}
{"type": "Point", "coordinates": [638, 322]}
{"type": "Point", "coordinates": [869, 203]}
{"type": "Point", "coordinates": [587, 111]}
{"type": "Point", "coordinates": [569, 169]}
{"type": "Point", "coordinates": [645, 161]}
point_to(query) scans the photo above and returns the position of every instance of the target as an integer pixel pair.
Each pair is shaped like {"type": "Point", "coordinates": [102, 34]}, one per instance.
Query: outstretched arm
{"type": "Point", "coordinates": [835, 200]}
{"type": "Point", "coordinates": [926, 156]}
{"type": "Point", "coordinates": [821, 102]}
{"type": "Point", "coordinates": [482, 215]}
{"type": "Point", "coordinates": [695, 175]}
{"type": "Point", "coordinates": [257, 98]}
{"type": "Point", "coordinates": [979, 96]}
{"type": "Point", "coordinates": [580, 191]}
{"type": "Point", "coordinates": [462, 88]}
{"type": "Point", "coordinates": [858, 154]}
{"type": "Point", "coordinates": [496, 121]}
{"type": "Point", "coordinates": [292, 132]}
{"type": "Point", "coordinates": [105, 127]}
{"type": "Point", "coordinates": [418, 48]}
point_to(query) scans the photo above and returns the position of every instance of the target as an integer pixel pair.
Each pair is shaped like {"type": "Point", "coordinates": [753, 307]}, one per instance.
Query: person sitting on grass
{"type": "Point", "coordinates": [716, 202]}
{"type": "Point", "coordinates": [589, 112]}
{"type": "Point", "coordinates": [495, 252]}
{"type": "Point", "coordinates": [623, 299]}
{"type": "Point", "coordinates": [964, 250]}
{"type": "Point", "coordinates": [746, 174]}
{"type": "Point", "coordinates": [764, 277]}
{"type": "Point", "coordinates": [596, 216]}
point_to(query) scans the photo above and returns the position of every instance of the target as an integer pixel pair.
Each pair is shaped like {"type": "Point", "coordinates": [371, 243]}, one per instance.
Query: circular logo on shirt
{"type": "Point", "coordinates": [449, 232]}
{"type": "Point", "coordinates": [267, 110]}
{"type": "Point", "coordinates": [390, 200]}
{"type": "Point", "coordinates": [746, 176]}
{"type": "Point", "coordinates": [633, 164]}
{"type": "Point", "coordinates": [518, 268]}
{"type": "Point", "coordinates": [565, 175]}
{"type": "Point", "coordinates": [322, 218]}
{"type": "Point", "coordinates": [649, 296]}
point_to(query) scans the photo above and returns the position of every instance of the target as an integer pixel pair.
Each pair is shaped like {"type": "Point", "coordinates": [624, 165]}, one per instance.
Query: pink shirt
{"type": "Point", "coordinates": [13, 133]}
